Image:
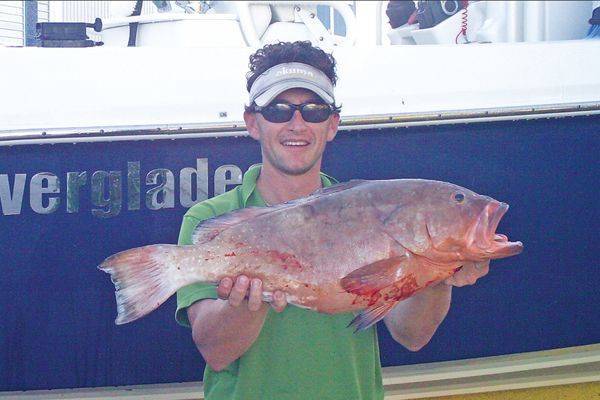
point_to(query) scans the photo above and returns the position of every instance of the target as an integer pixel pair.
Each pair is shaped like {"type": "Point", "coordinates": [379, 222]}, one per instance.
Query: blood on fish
{"type": "Point", "coordinates": [287, 260]}
{"type": "Point", "coordinates": [403, 288]}
{"type": "Point", "coordinates": [374, 298]}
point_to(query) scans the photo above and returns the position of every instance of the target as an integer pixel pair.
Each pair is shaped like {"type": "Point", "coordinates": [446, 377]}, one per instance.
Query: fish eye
{"type": "Point", "coordinates": [459, 197]}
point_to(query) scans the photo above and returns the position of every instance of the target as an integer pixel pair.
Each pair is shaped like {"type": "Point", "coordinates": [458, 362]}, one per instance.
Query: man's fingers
{"type": "Point", "coordinates": [255, 297]}
{"type": "Point", "coordinates": [224, 288]}
{"type": "Point", "coordinates": [279, 302]}
{"type": "Point", "coordinates": [451, 281]}
{"type": "Point", "coordinates": [239, 290]}
{"type": "Point", "coordinates": [482, 267]}
{"type": "Point", "coordinates": [242, 288]}
{"type": "Point", "coordinates": [468, 274]}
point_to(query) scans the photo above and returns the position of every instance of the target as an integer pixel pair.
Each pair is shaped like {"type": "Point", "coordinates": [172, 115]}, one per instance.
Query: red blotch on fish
{"type": "Point", "coordinates": [274, 257]}
{"type": "Point", "coordinates": [375, 297]}
{"type": "Point", "coordinates": [285, 259]}
{"type": "Point", "coordinates": [403, 288]}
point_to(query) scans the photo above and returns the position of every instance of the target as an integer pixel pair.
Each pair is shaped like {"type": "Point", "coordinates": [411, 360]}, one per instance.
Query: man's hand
{"type": "Point", "coordinates": [469, 273]}
{"type": "Point", "coordinates": [235, 292]}
{"type": "Point", "coordinates": [413, 322]}
{"type": "Point", "coordinates": [225, 328]}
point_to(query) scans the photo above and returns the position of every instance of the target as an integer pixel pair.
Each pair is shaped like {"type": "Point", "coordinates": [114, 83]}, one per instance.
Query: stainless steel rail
{"type": "Point", "coordinates": [237, 128]}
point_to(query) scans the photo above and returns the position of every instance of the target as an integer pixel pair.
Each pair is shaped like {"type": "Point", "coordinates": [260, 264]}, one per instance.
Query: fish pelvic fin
{"type": "Point", "coordinates": [371, 316]}
{"type": "Point", "coordinates": [374, 277]}
{"type": "Point", "coordinates": [143, 279]}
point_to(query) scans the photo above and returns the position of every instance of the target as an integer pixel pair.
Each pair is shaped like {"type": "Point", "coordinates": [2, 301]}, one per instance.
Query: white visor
{"type": "Point", "coordinates": [286, 76]}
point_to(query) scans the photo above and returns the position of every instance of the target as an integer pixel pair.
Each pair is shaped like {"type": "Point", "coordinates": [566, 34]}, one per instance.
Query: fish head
{"type": "Point", "coordinates": [448, 223]}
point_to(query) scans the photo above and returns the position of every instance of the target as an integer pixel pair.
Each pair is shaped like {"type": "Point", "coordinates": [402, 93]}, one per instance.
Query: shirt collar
{"type": "Point", "coordinates": [251, 176]}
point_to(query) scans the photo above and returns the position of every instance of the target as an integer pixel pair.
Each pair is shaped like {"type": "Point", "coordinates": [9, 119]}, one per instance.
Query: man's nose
{"type": "Point", "coordinates": [297, 122]}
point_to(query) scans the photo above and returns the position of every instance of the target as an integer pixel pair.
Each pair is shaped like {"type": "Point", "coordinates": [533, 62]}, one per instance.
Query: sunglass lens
{"type": "Point", "coordinates": [278, 113]}
{"type": "Point", "coordinates": [315, 112]}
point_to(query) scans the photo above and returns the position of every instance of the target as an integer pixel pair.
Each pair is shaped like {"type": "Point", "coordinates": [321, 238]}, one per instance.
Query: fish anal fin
{"type": "Point", "coordinates": [371, 315]}
{"type": "Point", "coordinates": [374, 277]}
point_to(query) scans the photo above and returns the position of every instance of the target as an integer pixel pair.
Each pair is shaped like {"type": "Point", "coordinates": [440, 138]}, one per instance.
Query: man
{"type": "Point", "coordinates": [258, 351]}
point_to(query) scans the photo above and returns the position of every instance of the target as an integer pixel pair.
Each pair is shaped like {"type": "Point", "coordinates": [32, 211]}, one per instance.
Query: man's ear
{"type": "Point", "coordinates": [251, 125]}
{"type": "Point", "coordinates": [334, 123]}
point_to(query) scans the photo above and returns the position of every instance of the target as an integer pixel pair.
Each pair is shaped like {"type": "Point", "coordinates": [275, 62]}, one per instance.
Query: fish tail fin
{"type": "Point", "coordinates": [143, 279]}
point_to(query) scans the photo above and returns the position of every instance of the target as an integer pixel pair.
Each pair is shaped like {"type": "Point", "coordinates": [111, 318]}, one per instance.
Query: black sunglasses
{"type": "Point", "coordinates": [283, 112]}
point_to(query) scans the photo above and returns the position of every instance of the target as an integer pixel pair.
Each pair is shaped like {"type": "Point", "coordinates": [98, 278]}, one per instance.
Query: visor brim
{"type": "Point", "coordinates": [270, 94]}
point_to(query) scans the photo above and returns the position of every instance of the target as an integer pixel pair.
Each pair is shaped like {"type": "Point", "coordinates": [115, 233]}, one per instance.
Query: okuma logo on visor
{"type": "Point", "coordinates": [298, 71]}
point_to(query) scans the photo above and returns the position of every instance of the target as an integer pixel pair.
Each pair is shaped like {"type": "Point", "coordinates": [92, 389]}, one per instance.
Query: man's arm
{"type": "Point", "coordinates": [413, 322]}
{"type": "Point", "coordinates": [225, 328]}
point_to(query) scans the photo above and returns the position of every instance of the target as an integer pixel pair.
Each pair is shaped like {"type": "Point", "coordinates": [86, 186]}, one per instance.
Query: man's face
{"type": "Point", "coordinates": [294, 147]}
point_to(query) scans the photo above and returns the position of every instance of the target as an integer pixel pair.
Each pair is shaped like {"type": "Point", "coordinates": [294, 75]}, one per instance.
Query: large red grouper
{"type": "Point", "coordinates": [360, 246]}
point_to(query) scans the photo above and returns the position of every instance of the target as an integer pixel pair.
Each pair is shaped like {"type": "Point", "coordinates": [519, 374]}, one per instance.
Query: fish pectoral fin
{"type": "Point", "coordinates": [371, 316]}
{"type": "Point", "coordinates": [373, 277]}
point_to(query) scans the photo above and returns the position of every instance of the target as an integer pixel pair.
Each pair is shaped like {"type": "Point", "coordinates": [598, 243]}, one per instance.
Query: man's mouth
{"type": "Point", "coordinates": [295, 143]}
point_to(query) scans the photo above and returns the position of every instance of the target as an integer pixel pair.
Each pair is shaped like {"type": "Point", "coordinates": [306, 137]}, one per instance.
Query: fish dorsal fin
{"type": "Point", "coordinates": [373, 277]}
{"type": "Point", "coordinates": [208, 229]}
{"type": "Point", "coordinates": [326, 191]}
{"type": "Point", "coordinates": [338, 187]}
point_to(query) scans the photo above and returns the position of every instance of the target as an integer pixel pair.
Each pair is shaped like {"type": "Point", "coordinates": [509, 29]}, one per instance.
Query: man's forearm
{"type": "Point", "coordinates": [413, 322]}
{"type": "Point", "coordinates": [221, 332]}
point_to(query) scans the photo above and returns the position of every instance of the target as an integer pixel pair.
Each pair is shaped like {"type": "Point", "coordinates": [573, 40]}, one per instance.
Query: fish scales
{"type": "Point", "coordinates": [359, 246]}
{"type": "Point", "coordinates": [300, 234]}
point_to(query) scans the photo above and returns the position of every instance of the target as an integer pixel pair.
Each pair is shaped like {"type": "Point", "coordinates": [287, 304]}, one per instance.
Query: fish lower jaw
{"type": "Point", "coordinates": [500, 247]}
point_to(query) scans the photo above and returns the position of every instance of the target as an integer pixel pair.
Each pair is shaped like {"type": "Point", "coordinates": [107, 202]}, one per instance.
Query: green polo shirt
{"type": "Point", "coordinates": [299, 354]}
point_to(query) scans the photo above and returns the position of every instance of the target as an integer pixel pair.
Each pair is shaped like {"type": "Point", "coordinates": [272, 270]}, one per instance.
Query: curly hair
{"type": "Point", "coordinates": [285, 52]}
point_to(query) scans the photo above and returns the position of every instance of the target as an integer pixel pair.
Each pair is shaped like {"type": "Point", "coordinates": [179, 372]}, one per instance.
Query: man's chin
{"type": "Point", "coordinates": [289, 165]}
{"type": "Point", "coordinates": [296, 170]}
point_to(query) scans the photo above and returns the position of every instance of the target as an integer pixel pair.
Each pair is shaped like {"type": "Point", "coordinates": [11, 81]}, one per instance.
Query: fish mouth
{"type": "Point", "coordinates": [486, 242]}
